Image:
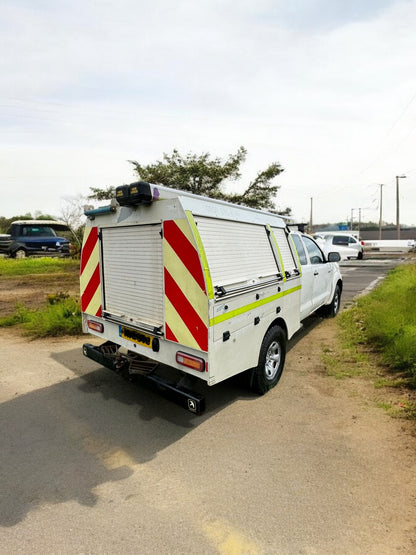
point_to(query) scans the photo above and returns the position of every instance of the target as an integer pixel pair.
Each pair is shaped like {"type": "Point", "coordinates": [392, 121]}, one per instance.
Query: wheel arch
{"type": "Point", "coordinates": [278, 322]}
{"type": "Point", "coordinates": [17, 248]}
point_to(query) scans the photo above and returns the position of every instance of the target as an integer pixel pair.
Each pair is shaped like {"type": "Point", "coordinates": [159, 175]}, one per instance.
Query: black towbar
{"type": "Point", "coordinates": [187, 399]}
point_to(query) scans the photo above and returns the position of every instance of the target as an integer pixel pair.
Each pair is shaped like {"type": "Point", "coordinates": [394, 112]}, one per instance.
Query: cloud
{"type": "Point", "coordinates": [323, 88]}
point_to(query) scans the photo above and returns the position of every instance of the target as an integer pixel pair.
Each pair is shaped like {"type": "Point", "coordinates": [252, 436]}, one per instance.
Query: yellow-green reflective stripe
{"type": "Point", "coordinates": [248, 307]}
{"type": "Point", "coordinates": [202, 254]}
{"type": "Point", "coordinates": [278, 251]}
{"type": "Point", "coordinates": [295, 250]}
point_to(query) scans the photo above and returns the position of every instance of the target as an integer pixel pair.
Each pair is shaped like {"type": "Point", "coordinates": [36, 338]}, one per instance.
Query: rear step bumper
{"type": "Point", "coordinates": [189, 400]}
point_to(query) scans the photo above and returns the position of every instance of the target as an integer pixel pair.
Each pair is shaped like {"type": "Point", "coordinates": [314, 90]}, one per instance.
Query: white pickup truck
{"type": "Point", "coordinates": [202, 286]}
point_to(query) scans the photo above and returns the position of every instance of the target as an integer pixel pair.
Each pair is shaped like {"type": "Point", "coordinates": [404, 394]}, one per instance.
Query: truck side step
{"type": "Point", "coordinates": [105, 355]}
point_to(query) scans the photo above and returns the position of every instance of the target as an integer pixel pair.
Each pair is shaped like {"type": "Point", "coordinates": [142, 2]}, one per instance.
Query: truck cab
{"type": "Point", "coordinates": [321, 277]}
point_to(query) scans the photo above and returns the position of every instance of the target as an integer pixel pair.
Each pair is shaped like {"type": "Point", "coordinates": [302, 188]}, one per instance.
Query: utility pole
{"type": "Point", "coordinates": [359, 221]}
{"type": "Point", "coordinates": [311, 217]}
{"type": "Point", "coordinates": [352, 218]}
{"type": "Point", "coordinates": [380, 220]}
{"type": "Point", "coordinates": [398, 204]}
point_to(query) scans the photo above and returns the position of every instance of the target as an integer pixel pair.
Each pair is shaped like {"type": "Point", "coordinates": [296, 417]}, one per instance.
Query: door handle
{"type": "Point", "coordinates": [316, 273]}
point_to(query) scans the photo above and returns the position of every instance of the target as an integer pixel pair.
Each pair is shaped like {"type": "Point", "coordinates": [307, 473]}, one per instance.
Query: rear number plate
{"type": "Point", "coordinates": [136, 336]}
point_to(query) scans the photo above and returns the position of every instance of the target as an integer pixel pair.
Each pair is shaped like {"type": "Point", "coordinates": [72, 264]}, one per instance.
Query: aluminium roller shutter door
{"type": "Point", "coordinates": [133, 273]}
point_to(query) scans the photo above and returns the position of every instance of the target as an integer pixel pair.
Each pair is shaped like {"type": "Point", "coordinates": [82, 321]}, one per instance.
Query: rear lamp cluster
{"type": "Point", "coordinates": [136, 193]}
{"type": "Point", "coordinates": [95, 326]}
{"type": "Point", "coordinates": [190, 361]}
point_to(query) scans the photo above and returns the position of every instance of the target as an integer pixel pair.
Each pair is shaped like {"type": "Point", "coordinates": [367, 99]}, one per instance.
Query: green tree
{"type": "Point", "coordinates": [203, 175]}
{"type": "Point", "coordinates": [6, 222]}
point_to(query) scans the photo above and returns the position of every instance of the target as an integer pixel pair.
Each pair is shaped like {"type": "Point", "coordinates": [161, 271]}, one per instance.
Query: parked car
{"type": "Point", "coordinates": [34, 237]}
{"type": "Point", "coordinates": [348, 246]}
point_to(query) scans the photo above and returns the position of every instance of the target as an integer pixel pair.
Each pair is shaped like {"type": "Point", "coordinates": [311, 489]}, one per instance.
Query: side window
{"type": "Point", "coordinates": [315, 253]}
{"type": "Point", "coordinates": [352, 240]}
{"type": "Point", "coordinates": [300, 248]}
{"type": "Point", "coordinates": [340, 240]}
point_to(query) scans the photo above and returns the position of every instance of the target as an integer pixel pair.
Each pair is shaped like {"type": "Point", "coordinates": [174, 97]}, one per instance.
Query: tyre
{"type": "Point", "coordinates": [20, 253]}
{"type": "Point", "coordinates": [271, 361]}
{"type": "Point", "coordinates": [333, 308]}
{"type": "Point", "coordinates": [360, 256]}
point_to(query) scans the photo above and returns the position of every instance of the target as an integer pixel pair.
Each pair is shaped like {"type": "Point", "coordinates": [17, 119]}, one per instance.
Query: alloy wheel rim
{"type": "Point", "coordinates": [273, 357]}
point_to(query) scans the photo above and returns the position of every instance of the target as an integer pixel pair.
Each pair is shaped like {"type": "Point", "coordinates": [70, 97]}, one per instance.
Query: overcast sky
{"type": "Point", "coordinates": [325, 88]}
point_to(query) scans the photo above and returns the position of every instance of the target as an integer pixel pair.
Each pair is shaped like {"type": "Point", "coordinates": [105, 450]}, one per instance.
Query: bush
{"type": "Point", "coordinates": [61, 316]}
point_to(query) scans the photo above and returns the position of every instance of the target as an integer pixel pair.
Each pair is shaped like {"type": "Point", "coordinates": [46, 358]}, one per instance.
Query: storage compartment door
{"type": "Point", "coordinates": [288, 259]}
{"type": "Point", "coordinates": [236, 252]}
{"type": "Point", "coordinates": [133, 274]}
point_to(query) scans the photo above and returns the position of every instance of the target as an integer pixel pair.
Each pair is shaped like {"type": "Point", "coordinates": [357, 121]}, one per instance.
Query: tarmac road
{"type": "Point", "coordinates": [92, 464]}
{"type": "Point", "coordinates": [360, 276]}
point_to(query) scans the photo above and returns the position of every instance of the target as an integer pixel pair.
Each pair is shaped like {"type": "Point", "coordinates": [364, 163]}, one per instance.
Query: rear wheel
{"type": "Point", "coordinates": [20, 253]}
{"type": "Point", "coordinates": [271, 361]}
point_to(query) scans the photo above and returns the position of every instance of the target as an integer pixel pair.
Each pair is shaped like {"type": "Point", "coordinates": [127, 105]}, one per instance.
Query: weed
{"type": "Point", "coordinates": [57, 297]}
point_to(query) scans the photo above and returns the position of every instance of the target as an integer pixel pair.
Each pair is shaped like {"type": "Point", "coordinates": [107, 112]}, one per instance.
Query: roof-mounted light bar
{"type": "Point", "coordinates": [136, 193]}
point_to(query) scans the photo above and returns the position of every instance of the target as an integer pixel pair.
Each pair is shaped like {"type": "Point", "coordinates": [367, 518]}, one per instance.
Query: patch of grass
{"type": "Point", "coordinates": [19, 317]}
{"type": "Point", "coordinates": [400, 408]}
{"type": "Point", "coordinates": [61, 316]}
{"type": "Point", "coordinates": [388, 381]}
{"type": "Point", "coordinates": [346, 362]}
{"type": "Point", "coordinates": [408, 409]}
{"type": "Point", "coordinates": [46, 265]}
{"type": "Point", "coordinates": [386, 321]}
{"type": "Point", "coordinates": [384, 405]}
{"type": "Point", "coordinates": [378, 342]}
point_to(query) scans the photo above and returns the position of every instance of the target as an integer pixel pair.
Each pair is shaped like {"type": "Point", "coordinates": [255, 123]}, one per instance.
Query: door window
{"type": "Point", "coordinates": [315, 253]}
{"type": "Point", "coordinates": [301, 250]}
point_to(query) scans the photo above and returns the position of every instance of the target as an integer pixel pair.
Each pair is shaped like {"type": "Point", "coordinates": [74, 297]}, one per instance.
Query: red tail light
{"type": "Point", "coordinates": [95, 326]}
{"type": "Point", "coordinates": [190, 361]}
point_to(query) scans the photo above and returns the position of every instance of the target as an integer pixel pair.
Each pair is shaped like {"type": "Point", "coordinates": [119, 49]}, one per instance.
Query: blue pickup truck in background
{"type": "Point", "coordinates": [35, 237]}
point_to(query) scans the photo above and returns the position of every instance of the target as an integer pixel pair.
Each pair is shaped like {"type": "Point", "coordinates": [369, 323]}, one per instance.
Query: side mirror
{"type": "Point", "coordinates": [334, 257]}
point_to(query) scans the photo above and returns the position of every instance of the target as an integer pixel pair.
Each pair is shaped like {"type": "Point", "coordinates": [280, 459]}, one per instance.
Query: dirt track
{"type": "Point", "coordinates": [32, 290]}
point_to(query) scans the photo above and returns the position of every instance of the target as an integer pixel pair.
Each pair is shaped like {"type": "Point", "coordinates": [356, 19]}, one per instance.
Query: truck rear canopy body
{"type": "Point", "coordinates": [189, 274]}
